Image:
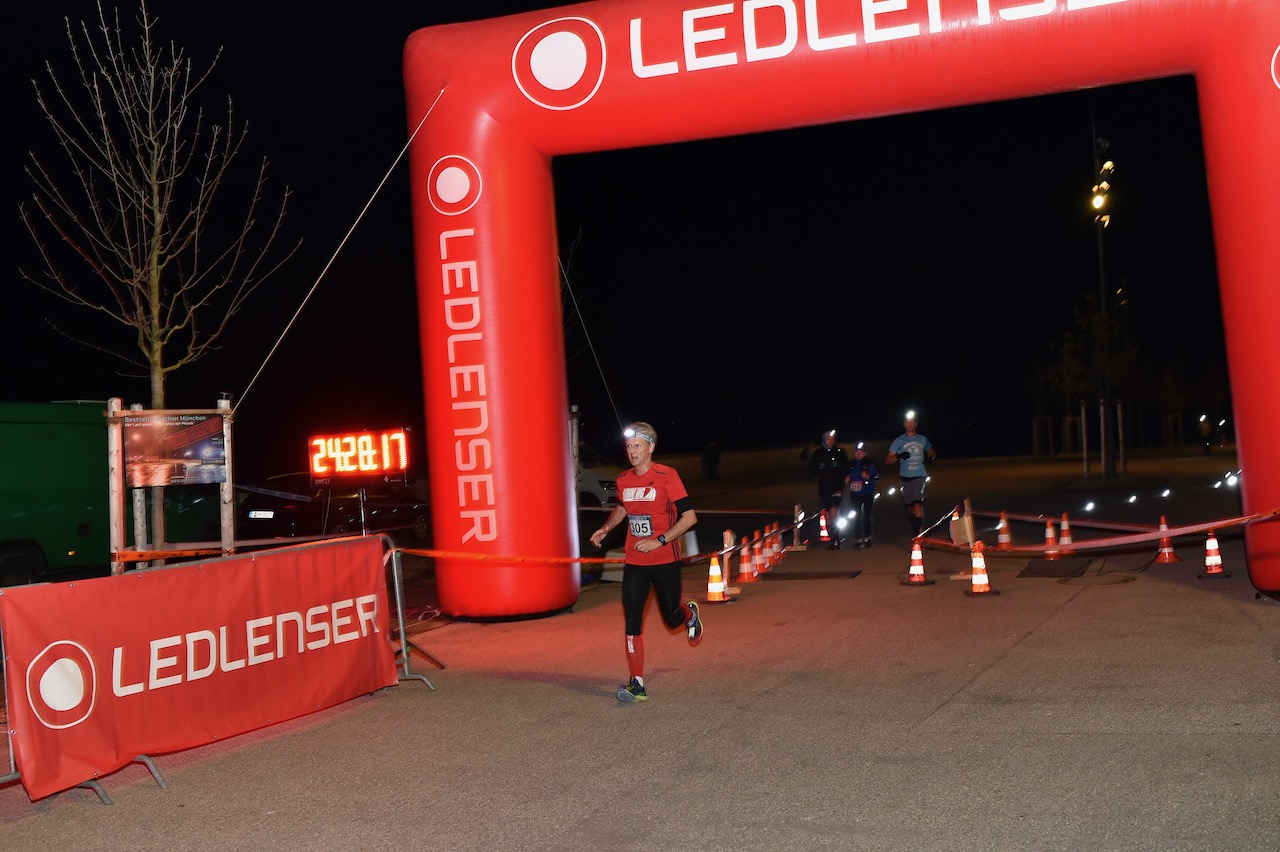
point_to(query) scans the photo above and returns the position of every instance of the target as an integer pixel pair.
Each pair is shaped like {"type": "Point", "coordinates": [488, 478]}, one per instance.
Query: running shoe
{"type": "Point", "coordinates": [632, 691]}
{"type": "Point", "coordinates": [695, 626]}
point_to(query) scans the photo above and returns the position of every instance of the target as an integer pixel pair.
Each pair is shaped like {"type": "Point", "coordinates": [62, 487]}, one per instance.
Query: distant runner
{"type": "Point", "coordinates": [910, 451]}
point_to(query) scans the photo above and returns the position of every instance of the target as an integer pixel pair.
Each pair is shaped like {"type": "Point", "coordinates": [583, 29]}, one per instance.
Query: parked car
{"type": "Point", "coordinates": [596, 479]}
{"type": "Point", "coordinates": [287, 506]}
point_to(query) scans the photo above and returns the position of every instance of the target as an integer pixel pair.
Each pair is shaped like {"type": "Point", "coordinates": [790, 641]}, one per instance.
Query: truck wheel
{"type": "Point", "coordinates": [19, 567]}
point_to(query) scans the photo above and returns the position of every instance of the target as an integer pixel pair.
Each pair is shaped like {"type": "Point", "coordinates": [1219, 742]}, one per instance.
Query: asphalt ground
{"type": "Point", "coordinates": [1103, 702]}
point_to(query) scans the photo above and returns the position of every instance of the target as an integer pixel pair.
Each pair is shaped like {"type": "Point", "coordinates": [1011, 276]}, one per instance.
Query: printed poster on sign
{"type": "Point", "coordinates": [174, 448]}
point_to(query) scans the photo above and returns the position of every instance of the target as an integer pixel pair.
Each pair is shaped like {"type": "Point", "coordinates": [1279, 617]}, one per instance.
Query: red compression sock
{"type": "Point", "coordinates": [635, 655]}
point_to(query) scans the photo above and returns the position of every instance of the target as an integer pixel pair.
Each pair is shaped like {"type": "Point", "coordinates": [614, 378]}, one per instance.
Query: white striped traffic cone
{"type": "Point", "coordinates": [771, 545]}
{"type": "Point", "coordinates": [1050, 541]}
{"type": "Point", "coordinates": [980, 583]}
{"type": "Point", "coordinates": [1166, 554]}
{"type": "Point", "coordinates": [1004, 537]}
{"type": "Point", "coordinates": [915, 577]}
{"type": "Point", "coordinates": [715, 583]}
{"type": "Point", "coordinates": [1213, 560]}
{"type": "Point", "coordinates": [1064, 536]}
{"type": "Point", "coordinates": [746, 567]}
{"type": "Point", "coordinates": [778, 550]}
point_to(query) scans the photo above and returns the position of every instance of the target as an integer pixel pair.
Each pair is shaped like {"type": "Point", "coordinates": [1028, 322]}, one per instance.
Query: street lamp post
{"type": "Point", "coordinates": [1103, 170]}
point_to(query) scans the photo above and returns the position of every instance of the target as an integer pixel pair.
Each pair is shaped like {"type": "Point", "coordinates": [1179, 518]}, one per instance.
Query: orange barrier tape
{"type": "Point", "coordinates": [691, 559]}
{"type": "Point", "coordinates": [148, 555]}
{"type": "Point", "coordinates": [1120, 541]}
{"type": "Point", "coordinates": [1075, 522]}
{"type": "Point", "coordinates": [498, 557]}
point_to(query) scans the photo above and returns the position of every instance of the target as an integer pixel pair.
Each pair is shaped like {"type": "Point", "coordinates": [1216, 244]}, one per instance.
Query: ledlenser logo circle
{"type": "Point", "coordinates": [62, 685]}
{"type": "Point", "coordinates": [560, 64]}
{"type": "Point", "coordinates": [453, 185]}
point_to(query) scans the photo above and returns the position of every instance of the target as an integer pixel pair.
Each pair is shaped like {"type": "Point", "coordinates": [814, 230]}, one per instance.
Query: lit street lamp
{"type": "Point", "coordinates": [1103, 170]}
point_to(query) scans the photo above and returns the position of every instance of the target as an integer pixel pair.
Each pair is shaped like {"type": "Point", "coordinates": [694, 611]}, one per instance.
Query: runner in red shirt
{"type": "Point", "coordinates": [654, 502]}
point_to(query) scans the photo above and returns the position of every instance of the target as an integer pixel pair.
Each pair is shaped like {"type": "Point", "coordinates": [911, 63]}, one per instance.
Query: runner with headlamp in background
{"type": "Point", "coordinates": [830, 465]}
{"type": "Point", "coordinates": [910, 451]}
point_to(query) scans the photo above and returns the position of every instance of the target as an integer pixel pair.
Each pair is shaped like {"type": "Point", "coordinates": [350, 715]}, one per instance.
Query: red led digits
{"type": "Point", "coordinates": [366, 455]}
{"type": "Point", "coordinates": [395, 452]}
{"type": "Point", "coordinates": [377, 454]}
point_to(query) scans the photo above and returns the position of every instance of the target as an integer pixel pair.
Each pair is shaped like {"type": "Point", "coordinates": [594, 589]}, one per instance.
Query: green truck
{"type": "Point", "coordinates": [54, 518]}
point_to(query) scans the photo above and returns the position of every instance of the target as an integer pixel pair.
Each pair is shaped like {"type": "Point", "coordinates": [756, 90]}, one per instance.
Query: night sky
{"type": "Point", "coordinates": [814, 278]}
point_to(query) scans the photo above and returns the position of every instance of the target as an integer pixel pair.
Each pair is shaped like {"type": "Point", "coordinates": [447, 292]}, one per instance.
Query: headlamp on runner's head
{"type": "Point", "coordinates": [641, 430]}
{"type": "Point", "coordinates": [861, 446]}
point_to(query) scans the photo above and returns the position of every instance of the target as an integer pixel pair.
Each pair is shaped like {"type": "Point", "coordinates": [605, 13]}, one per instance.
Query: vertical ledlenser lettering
{"type": "Point", "coordinates": [463, 316]}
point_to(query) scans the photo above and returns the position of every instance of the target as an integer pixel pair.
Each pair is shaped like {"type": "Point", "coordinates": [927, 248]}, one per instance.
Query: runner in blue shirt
{"type": "Point", "coordinates": [910, 451]}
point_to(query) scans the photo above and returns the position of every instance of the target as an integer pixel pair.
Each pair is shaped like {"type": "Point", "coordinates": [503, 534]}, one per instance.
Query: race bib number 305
{"type": "Point", "coordinates": [641, 525]}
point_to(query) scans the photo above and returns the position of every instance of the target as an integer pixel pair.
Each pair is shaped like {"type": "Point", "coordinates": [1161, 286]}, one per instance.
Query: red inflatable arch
{"type": "Point", "coordinates": [507, 95]}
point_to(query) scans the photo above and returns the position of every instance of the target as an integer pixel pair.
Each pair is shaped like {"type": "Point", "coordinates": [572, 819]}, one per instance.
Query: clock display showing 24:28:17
{"type": "Point", "coordinates": [359, 453]}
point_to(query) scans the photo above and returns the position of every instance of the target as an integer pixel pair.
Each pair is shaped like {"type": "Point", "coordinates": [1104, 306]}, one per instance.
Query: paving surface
{"type": "Point", "coordinates": [1094, 703]}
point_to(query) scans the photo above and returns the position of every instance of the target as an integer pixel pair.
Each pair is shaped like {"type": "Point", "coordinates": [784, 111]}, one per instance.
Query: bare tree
{"type": "Point", "coordinates": [141, 231]}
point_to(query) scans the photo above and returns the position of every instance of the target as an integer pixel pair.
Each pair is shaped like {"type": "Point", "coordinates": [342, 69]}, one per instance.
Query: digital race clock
{"type": "Point", "coordinates": [377, 455]}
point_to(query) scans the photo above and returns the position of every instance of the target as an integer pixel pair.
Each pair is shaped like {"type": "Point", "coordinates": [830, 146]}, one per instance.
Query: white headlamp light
{"type": "Point", "coordinates": [632, 432]}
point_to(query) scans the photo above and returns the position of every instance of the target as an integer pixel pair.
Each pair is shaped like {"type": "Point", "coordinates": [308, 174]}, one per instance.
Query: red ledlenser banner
{"type": "Point", "coordinates": [102, 671]}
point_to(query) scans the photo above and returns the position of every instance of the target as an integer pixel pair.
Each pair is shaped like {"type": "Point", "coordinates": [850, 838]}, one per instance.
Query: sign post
{"type": "Point", "coordinates": [160, 449]}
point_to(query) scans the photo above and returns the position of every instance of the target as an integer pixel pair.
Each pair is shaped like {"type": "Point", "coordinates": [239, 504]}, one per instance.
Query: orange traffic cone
{"type": "Point", "coordinates": [778, 550]}
{"type": "Point", "coordinates": [981, 584]}
{"type": "Point", "coordinates": [915, 576]}
{"type": "Point", "coordinates": [757, 555]}
{"type": "Point", "coordinates": [771, 545]}
{"type": "Point", "coordinates": [1004, 538]}
{"type": "Point", "coordinates": [1050, 541]}
{"type": "Point", "coordinates": [1166, 555]}
{"type": "Point", "coordinates": [746, 568]}
{"type": "Point", "coordinates": [1065, 535]}
{"type": "Point", "coordinates": [822, 526]}
{"type": "Point", "coordinates": [1213, 560]}
{"type": "Point", "coordinates": [715, 583]}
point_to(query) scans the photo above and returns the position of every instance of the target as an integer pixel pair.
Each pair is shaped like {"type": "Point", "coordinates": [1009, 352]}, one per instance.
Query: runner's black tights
{"type": "Point", "coordinates": [665, 581]}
